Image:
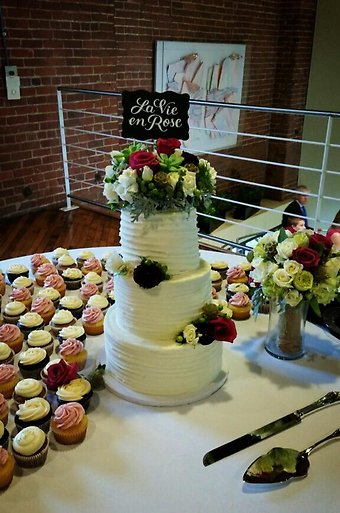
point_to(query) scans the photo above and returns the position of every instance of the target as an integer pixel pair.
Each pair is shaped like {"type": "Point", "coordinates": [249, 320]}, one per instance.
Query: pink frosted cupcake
{"type": "Point", "coordinates": [84, 254]}
{"type": "Point", "coordinates": [72, 351]}
{"type": "Point", "coordinates": [6, 468]}
{"type": "Point", "coordinates": [240, 305]}
{"type": "Point", "coordinates": [11, 335]}
{"type": "Point", "coordinates": [8, 379]}
{"type": "Point", "coordinates": [110, 291]}
{"type": "Point", "coordinates": [37, 260]}
{"type": "Point", "coordinates": [236, 275]}
{"type": "Point", "coordinates": [69, 423]}
{"type": "Point", "coordinates": [6, 354]}
{"type": "Point", "coordinates": [92, 265]}
{"type": "Point", "coordinates": [93, 320]}
{"type": "Point", "coordinates": [44, 307]}
{"type": "Point", "coordinates": [56, 282]}
{"type": "Point", "coordinates": [23, 295]}
{"type": "Point", "coordinates": [42, 272]}
{"type": "Point", "coordinates": [93, 277]}
{"type": "Point", "coordinates": [4, 409]}
{"type": "Point", "coordinates": [87, 290]}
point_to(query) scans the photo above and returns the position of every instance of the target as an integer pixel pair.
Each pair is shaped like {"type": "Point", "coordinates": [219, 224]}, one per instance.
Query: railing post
{"type": "Point", "coordinates": [323, 169]}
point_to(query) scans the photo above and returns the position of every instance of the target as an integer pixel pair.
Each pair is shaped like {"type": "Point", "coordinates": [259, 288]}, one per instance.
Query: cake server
{"type": "Point", "coordinates": [292, 419]}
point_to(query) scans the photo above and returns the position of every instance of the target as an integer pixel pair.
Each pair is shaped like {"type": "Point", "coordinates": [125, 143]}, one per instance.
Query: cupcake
{"type": "Point", "coordinates": [69, 423]}
{"type": "Point", "coordinates": [8, 380]}
{"type": "Point", "coordinates": [11, 335]}
{"type": "Point", "coordinates": [42, 339]}
{"type": "Point", "coordinates": [6, 354]}
{"type": "Point", "coordinates": [4, 409]}
{"type": "Point", "coordinates": [61, 319]}
{"type": "Point", "coordinates": [246, 266]}
{"type": "Point", "coordinates": [56, 282]}
{"type": "Point", "coordinates": [216, 280]}
{"type": "Point", "coordinates": [32, 361]}
{"type": "Point", "coordinates": [66, 262]}
{"type": "Point", "coordinates": [23, 295]}
{"type": "Point", "coordinates": [99, 301]}
{"type": "Point", "coordinates": [16, 270]}
{"type": "Point", "coordinates": [2, 284]}
{"type": "Point", "coordinates": [74, 331]}
{"type": "Point", "coordinates": [34, 412]}
{"type": "Point", "coordinates": [110, 291]}
{"type": "Point", "coordinates": [57, 373]}
{"type": "Point", "coordinates": [57, 253]}
{"type": "Point", "coordinates": [44, 307]}
{"type": "Point", "coordinates": [37, 260]}
{"type": "Point", "coordinates": [84, 254]}
{"type": "Point", "coordinates": [42, 272]}
{"type": "Point", "coordinates": [93, 320]}
{"type": "Point", "coordinates": [73, 278]}
{"type": "Point", "coordinates": [236, 275]}
{"type": "Point", "coordinates": [4, 436]}
{"type": "Point", "coordinates": [72, 351]}
{"type": "Point", "coordinates": [23, 281]}
{"type": "Point", "coordinates": [51, 294]}
{"type": "Point", "coordinates": [240, 305]}
{"type": "Point", "coordinates": [93, 277]}
{"type": "Point", "coordinates": [30, 321]}
{"type": "Point", "coordinates": [30, 447]}
{"type": "Point", "coordinates": [28, 388]}
{"type": "Point", "coordinates": [12, 312]}
{"type": "Point", "coordinates": [6, 468]}
{"type": "Point", "coordinates": [232, 288]}
{"type": "Point", "coordinates": [220, 267]}
{"type": "Point", "coordinates": [78, 390]}
{"type": "Point", "coordinates": [87, 290]}
{"type": "Point", "coordinates": [73, 304]}
{"type": "Point", "coordinates": [92, 265]}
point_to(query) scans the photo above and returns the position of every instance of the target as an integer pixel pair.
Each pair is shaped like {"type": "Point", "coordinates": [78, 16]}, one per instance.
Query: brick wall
{"type": "Point", "coordinates": [109, 45]}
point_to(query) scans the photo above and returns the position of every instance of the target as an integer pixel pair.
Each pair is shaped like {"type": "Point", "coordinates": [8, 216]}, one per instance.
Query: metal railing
{"type": "Point", "coordinates": [90, 128]}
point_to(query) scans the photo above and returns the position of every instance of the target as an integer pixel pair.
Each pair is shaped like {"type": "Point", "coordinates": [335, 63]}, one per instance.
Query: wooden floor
{"type": "Point", "coordinates": [43, 231]}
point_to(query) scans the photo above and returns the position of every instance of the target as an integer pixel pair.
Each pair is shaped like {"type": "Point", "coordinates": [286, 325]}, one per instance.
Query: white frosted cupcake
{"type": "Point", "coordinates": [100, 302]}
{"type": "Point", "coordinates": [6, 354]}
{"type": "Point", "coordinates": [84, 254]}
{"type": "Point", "coordinates": [74, 331]}
{"type": "Point", "coordinates": [51, 293]}
{"type": "Point", "coordinates": [41, 338]}
{"type": "Point", "coordinates": [65, 262]}
{"type": "Point", "coordinates": [32, 361]}
{"type": "Point", "coordinates": [30, 447]}
{"type": "Point", "coordinates": [61, 319]}
{"type": "Point", "coordinates": [57, 253]}
{"type": "Point", "coordinates": [72, 278]}
{"type": "Point", "coordinates": [28, 388]}
{"type": "Point", "coordinates": [16, 270]}
{"type": "Point", "coordinates": [78, 390]}
{"type": "Point", "coordinates": [23, 281]}
{"type": "Point", "coordinates": [93, 277]}
{"type": "Point", "coordinates": [34, 412]}
{"type": "Point", "coordinates": [12, 311]}
{"type": "Point", "coordinates": [30, 321]}
{"type": "Point", "coordinates": [72, 303]}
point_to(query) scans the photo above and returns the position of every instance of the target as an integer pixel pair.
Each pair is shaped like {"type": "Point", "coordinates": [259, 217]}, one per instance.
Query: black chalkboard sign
{"type": "Point", "coordinates": [155, 115]}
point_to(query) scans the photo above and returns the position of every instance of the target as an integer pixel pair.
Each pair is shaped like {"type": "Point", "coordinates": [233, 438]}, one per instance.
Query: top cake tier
{"type": "Point", "coordinates": [170, 238]}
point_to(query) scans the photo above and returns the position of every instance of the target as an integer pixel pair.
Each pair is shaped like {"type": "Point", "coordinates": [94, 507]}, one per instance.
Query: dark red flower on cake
{"type": "Point", "coordinates": [224, 329]}
{"type": "Point", "coordinates": [139, 159]}
{"type": "Point", "coordinates": [60, 373]}
{"type": "Point", "coordinates": [308, 257]}
{"type": "Point", "coordinates": [167, 146]}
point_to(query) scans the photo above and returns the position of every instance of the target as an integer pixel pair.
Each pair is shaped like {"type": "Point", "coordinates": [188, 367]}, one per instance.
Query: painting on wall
{"type": "Point", "coordinates": [206, 71]}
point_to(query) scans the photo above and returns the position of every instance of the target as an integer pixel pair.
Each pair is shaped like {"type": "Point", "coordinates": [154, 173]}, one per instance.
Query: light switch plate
{"type": "Point", "coordinates": [12, 83]}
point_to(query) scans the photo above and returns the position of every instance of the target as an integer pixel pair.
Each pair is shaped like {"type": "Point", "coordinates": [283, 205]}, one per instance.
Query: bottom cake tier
{"type": "Point", "coordinates": [159, 375]}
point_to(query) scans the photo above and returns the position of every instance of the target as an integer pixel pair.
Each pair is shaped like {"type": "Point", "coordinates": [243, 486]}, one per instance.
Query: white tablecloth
{"type": "Point", "coordinates": [149, 460]}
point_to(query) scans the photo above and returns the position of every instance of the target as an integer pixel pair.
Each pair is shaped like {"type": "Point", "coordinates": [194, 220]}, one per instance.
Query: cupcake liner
{"type": "Point", "coordinates": [4, 418]}
{"type": "Point", "coordinates": [44, 423]}
{"type": "Point", "coordinates": [35, 460]}
{"type": "Point", "coordinates": [16, 344]}
{"type": "Point", "coordinates": [7, 389]}
{"type": "Point", "coordinates": [73, 285]}
{"type": "Point", "coordinates": [6, 473]}
{"type": "Point", "coordinates": [73, 435]}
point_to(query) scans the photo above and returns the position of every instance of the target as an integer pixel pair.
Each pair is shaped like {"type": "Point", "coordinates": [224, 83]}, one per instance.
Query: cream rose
{"type": "Point", "coordinates": [190, 334]}
{"type": "Point", "coordinates": [293, 297]}
{"type": "Point", "coordinates": [282, 278]}
{"type": "Point", "coordinates": [292, 267]}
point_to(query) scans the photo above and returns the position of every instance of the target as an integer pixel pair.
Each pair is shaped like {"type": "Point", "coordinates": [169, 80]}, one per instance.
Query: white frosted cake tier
{"type": "Point", "coordinates": [169, 238]}
{"type": "Point", "coordinates": [159, 375]}
{"type": "Point", "coordinates": [160, 313]}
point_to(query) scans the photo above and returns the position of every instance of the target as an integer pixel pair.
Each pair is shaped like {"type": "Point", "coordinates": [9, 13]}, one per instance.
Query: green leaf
{"type": "Point", "coordinates": [282, 235]}
{"type": "Point", "coordinates": [315, 306]}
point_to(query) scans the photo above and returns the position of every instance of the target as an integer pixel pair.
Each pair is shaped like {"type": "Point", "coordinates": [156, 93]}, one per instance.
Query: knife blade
{"type": "Point", "coordinates": [278, 425]}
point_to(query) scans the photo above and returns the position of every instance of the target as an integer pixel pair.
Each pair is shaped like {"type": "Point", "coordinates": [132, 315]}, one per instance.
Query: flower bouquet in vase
{"type": "Point", "coordinates": [293, 271]}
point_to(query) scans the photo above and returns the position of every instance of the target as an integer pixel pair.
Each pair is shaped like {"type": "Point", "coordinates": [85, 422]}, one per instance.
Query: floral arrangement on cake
{"type": "Point", "coordinates": [146, 181]}
{"type": "Point", "coordinates": [147, 274]}
{"type": "Point", "coordinates": [295, 267]}
{"type": "Point", "coordinates": [214, 323]}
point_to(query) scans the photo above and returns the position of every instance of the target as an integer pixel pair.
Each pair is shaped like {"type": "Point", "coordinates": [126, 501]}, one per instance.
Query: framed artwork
{"type": "Point", "coordinates": [206, 71]}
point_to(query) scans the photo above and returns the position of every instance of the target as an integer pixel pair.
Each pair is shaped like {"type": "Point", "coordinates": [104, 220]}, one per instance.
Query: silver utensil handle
{"type": "Point", "coordinates": [326, 400]}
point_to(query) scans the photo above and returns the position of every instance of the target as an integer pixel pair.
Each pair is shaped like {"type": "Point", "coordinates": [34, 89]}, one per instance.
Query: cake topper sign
{"type": "Point", "coordinates": [155, 115]}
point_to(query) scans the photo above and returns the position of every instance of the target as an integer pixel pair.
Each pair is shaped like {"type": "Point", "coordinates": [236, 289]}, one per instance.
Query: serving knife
{"type": "Point", "coordinates": [292, 419]}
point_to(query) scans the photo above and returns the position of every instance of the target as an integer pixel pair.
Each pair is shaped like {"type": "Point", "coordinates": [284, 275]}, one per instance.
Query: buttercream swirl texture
{"type": "Point", "coordinates": [32, 356]}
{"type": "Point", "coordinates": [7, 372]}
{"type": "Point", "coordinates": [68, 415]}
{"type": "Point", "coordinates": [75, 390]}
{"type": "Point", "coordinates": [29, 441]}
{"type": "Point", "coordinates": [39, 338]}
{"type": "Point", "coordinates": [71, 346]}
{"type": "Point", "coordinates": [15, 308]}
{"type": "Point", "coordinates": [9, 332]}
{"type": "Point", "coordinates": [92, 314]}
{"type": "Point", "coordinates": [28, 388]}
{"type": "Point", "coordinates": [5, 351]}
{"type": "Point", "coordinates": [21, 294]}
{"type": "Point", "coordinates": [239, 299]}
{"type": "Point", "coordinates": [31, 319]}
{"type": "Point", "coordinates": [62, 317]}
{"type": "Point", "coordinates": [33, 409]}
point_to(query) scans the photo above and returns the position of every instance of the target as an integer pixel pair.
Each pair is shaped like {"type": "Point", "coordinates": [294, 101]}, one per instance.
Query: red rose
{"type": "Point", "coordinates": [139, 159]}
{"type": "Point", "coordinates": [224, 329]}
{"type": "Point", "coordinates": [167, 146]}
{"type": "Point", "coordinates": [60, 373]}
{"type": "Point", "coordinates": [308, 257]}
{"type": "Point", "coordinates": [320, 243]}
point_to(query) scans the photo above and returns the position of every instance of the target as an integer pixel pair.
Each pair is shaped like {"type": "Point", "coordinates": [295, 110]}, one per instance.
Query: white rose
{"type": "Point", "coordinates": [110, 193]}
{"type": "Point", "coordinates": [115, 263]}
{"type": "Point", "coordinates": [147, 174]}
{"type": "Point", "coordinates": [109, 172]}
{"type": "Point", "coordinates": [293, 297]}
{"type": "Point", "coordinates": [173, 179]}
{"type": "Point", "coordinates": [292, 267]}
{"type": "Point", "coordinates": [285, 249]}
{"type": "Point", "coordinates": [190, 334]}
{"type": "Point", "coordinates": [282, 278]}
{"type": "Point", "coordinates": [262, 269]}
{"type": "Point", "coordinates": [189, 183]}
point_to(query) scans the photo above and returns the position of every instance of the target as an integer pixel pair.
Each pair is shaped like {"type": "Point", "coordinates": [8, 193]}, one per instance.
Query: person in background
{"type": "Point", "coordinates": [333, 232]}
{"type": "Point", "coordinates": [296, 224]}
{"type": "Point", "coordinates": [296, 208]}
